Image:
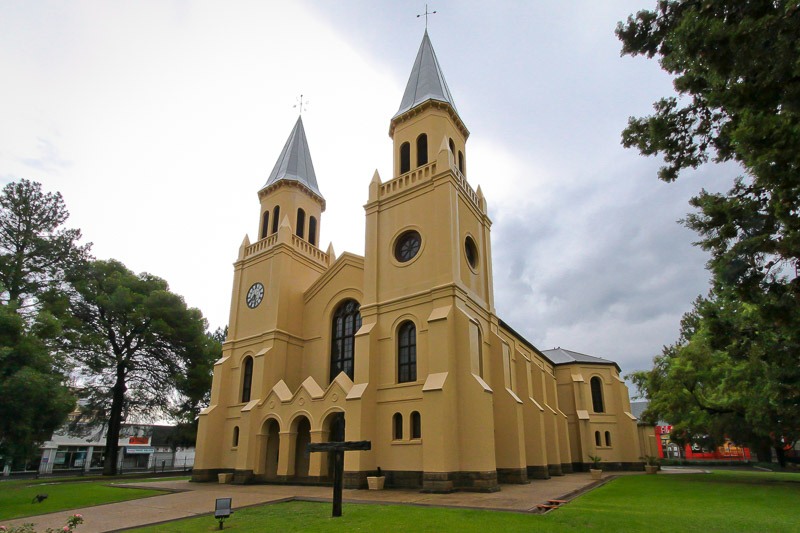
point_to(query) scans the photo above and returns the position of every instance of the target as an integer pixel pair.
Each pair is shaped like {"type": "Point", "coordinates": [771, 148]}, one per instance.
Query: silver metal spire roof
{"type": "Point", "coordinates": [426, 81]}
{"type": "Point", "coordinates": [294, 163]}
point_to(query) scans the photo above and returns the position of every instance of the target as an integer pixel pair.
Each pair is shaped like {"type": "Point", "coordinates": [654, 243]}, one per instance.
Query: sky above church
{"type": "Point", "coordinates": [159, 121]}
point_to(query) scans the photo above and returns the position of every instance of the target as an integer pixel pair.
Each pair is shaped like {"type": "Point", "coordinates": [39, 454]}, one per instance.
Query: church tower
{"type": "Point", "coordinates": [265, 335]}
{"type": "Point", "coordinates": [427, 285]}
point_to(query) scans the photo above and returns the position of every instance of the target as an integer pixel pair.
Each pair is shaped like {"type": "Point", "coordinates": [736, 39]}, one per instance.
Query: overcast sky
{"type": "Point", "coordinates": [159, 121]}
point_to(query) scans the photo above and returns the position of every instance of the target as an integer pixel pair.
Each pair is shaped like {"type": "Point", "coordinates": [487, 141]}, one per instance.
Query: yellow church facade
{"type": "Point", "coordinates": [401, 347]}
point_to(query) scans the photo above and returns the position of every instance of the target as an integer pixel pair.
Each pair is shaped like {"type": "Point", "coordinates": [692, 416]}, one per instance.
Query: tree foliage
{"type": "Point", "coordinates": [34, 400]}
{"type": "Point", "coordinates": [731, 374]}
{"type": "Point", "coordinates": [133, 342]}
{"type": "Point", "coordinates": [36, 251]}
{"type": "Point", "coordinates": [737, 76]}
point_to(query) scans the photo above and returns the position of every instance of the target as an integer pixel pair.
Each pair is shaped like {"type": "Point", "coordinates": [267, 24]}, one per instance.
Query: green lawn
{"type": "Point", "coordinates": [723, 501]}
{"type": "Point", "coordinates": [16, 496]}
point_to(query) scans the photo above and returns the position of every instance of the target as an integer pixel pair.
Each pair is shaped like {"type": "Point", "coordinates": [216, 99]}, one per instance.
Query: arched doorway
{"type": "Point", "coordinates": [272, 431]}
{"type": "Point", "coordinates": [303, 437]}
{"type": "Point", "coordinates": [334, 427]}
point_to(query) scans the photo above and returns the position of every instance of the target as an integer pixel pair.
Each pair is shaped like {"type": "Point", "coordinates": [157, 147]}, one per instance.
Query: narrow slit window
{"type": "Point", "coordinates": [301, 223]}
{"type": "Point", "coordinates": [416, 426]}
{"type": "Point", "coordinates": [276, 213]}
{"type": "Point", "coordinates": [247, 379]}
{"type": "Point", "coordinates": [235, 436]}
{"type": "Point", "coordinates": [608, 438]}
{"type": "Point", "coordinates": [597, 441]}
{"type": "Point", "coordinates": [397, 424]}
{"type": "Point", "coordinates": [405, 157]}
{"type": "Point", "coordinates": [265, 224]}
{"type": "Point", "coordinates": [597, 395]}
{"type": "Point", "coordinates": [422, 150]}
{"type": "Point", "coordinates": [312, 230]}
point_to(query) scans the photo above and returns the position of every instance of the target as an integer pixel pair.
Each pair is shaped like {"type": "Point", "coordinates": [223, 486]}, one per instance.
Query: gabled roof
{"type": "Point", "coordinates": [560, 356]}
{"type": "Point", "coordinates": [426, 81]}
{"type": "Point", "coordinates": [294, 163]}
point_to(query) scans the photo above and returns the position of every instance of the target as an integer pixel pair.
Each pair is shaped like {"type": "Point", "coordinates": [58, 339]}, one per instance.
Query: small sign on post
{"type": "Point", "coordinates": [337, 450]}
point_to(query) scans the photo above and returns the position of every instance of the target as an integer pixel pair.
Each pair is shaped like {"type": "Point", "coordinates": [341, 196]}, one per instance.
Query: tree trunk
{"type": "Point", "coordinates": [114, 424]}
{"type": "Point", "coordinates": [764, 452]}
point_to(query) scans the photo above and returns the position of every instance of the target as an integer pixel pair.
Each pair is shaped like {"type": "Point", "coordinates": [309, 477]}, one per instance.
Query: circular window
{"type": "Point", "coordinates": [407, 246]}
{"type": "Point", "coordinates": [471, 252]}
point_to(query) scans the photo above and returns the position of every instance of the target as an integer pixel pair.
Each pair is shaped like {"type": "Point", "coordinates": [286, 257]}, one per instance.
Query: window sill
{"type": "Point", "coordinates": [406, 442]}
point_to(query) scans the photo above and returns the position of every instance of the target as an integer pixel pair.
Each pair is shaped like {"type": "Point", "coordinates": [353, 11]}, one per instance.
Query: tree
{"type": "Point", "coordinates": [738, 84]}
{"type": "Point", "coordinates": [34, 400]}
{"type": "Point", "coordinates": [36, 252]}
{"type": "Point", "coordinates": [132, 341]}
{"type": "Point", "coordinates": [194, 389]}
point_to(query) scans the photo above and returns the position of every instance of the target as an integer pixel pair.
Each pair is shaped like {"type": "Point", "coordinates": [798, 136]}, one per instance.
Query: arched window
{"type": "Point", "coordinates": [276, 213]}
{"type": "Point", "coordinates": [407, 352]}
{"type": "Point", "coordinates": [301, 223]}
{"type": "Point", "coordinates": [235, 436]}
{"type": "Point", "coordinates": [461, 161]}
{"type": "Point", "coordinates": [452, 148]}
{"type": "Point", "coordinates": [265, 224]}
{"type": "Point", "coordinates": [346, 321]}
{"type": "Point", "coordinates": [416, 426]}
{"type": "Point", "coordinates": [405, 157]}
{"type": "Point", "coordinates": [597, 439]}
{"type": "Point", "coordinates": [247, 378]}
{"type": "Point", "coordinates": [608, 438]}
{"type": "Point", "coordinates": [597, 395]}
{"type": "Point", "coordinates": [397, 426]}
{"type": "Point", "coordinates": [422, 150]}
{"type": "Point", "coordinates": [312, 230]}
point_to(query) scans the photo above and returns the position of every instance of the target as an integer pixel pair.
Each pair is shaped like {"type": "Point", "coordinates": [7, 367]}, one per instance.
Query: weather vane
{"type": "Point", "coordinates": [301, 105]}
{"type": "Point", "coordinates": [426, 15]}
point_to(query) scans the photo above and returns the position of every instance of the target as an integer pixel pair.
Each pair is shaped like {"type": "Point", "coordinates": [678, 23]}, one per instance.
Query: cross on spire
{"type": "Point", "coordinates": [426, 15]}
{"type": "Point", "coordinates": [301, 104]}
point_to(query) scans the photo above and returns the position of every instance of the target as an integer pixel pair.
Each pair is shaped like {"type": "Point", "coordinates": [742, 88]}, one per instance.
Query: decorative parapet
{"type": "Point", "coordinates": [304, 247]}
{"type": "Point", "coordinates": [263, 244]}
{"type": "Point", "coordinates": [425, 173]}
{"type": "Point", "coordinates": [465, 187]}
{"type": "Point", "coordinates": [404, 181]}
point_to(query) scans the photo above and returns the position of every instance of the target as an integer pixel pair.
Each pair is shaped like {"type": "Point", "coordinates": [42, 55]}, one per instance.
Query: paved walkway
{"type": "Point", "coordinates": [193, 499]}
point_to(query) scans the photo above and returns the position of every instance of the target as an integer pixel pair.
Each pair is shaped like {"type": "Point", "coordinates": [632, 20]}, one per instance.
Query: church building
{"type": "Point", "coordinates": [401, 347]}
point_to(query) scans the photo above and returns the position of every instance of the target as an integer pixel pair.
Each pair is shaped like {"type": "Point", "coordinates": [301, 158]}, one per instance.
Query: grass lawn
{"type": "Point", "coordinates": [16, 496]}
{"type": "Point", "coordinates": [723, 501]}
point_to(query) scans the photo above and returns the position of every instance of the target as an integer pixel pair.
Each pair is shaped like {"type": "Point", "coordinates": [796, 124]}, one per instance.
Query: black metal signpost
{"type": "Point", "coordinates": [337, 450]}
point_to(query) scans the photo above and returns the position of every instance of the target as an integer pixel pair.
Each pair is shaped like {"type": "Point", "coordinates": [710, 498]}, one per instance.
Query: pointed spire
{"type": "Point", "coordinates": [294, 163]}
{"type": "Point", "coordinates": [331, 253]}
{"type": "Point", "coordinates": [426, 81]}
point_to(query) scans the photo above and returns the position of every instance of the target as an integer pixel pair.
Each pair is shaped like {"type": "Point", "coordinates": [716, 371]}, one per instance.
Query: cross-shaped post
{"type": "Point", "coordinates": [337, 450]}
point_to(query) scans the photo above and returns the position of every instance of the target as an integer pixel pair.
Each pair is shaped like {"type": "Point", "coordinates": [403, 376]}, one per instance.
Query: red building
{"type": "Point", "coordinates": [669, 450]}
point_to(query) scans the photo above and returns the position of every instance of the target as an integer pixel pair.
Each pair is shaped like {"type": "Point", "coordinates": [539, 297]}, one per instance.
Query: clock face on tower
{"type": "Point", "coordinates": [255, 295]}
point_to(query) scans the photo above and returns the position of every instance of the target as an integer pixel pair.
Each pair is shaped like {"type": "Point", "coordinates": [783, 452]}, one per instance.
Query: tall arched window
{"type": "Point", "coordinates": [312, 230]}
{"type": "Point", "coordinates": [608, 438]}
{"type": "Point", "coordinates": [461, 161]}
{"type": "Point", "coordinates": [301, 223]}
{"type": "Point", "coordinates": [597, 395]}
{"type": "Point", "coordinates": [265, 224]}
{"type": "Point", "coordinates": [422, 150]}
{"type": "Point", "coordinates": [452, 147]}
{"type": "Point", "coordinates": [597, 439]}
{"type": "Point", "coordinates": [407, 352]}
{"type": "Point", "coordinates": [276, 213]}
{"type": "Point", "coordinates": [405, 157]}
{"type": "Point", "coordinates": [346, 321]}
{"type": "Point", "coordinates": [247, 378]}
{"type": "Point", "coordinates": [397, 426]}
{"type": "Point", "coordinates": [416, 426]}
